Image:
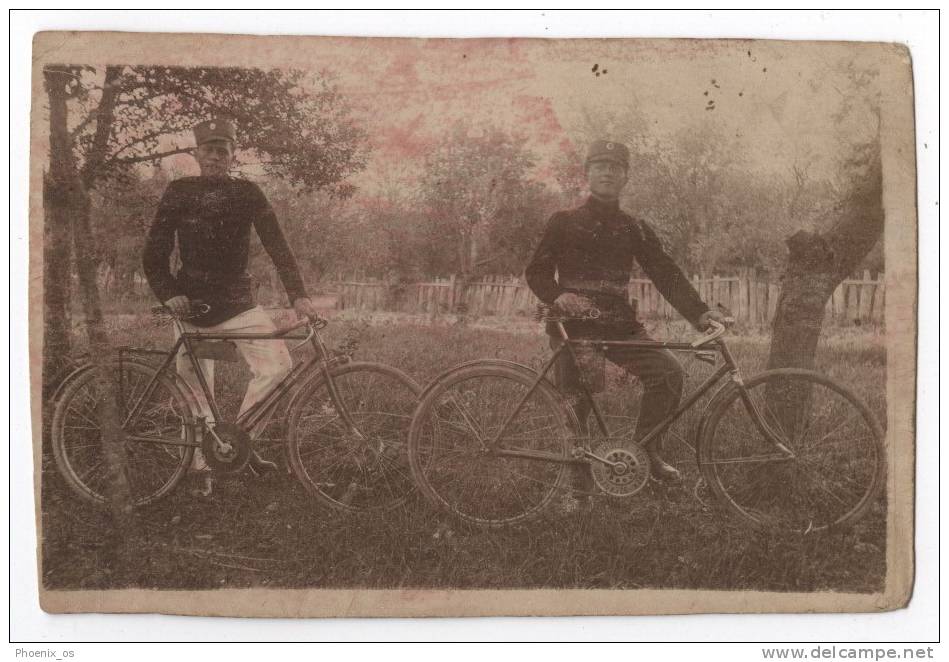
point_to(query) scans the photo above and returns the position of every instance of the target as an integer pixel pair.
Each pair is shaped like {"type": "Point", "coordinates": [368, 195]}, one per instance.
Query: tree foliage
{"type": "Point", "coordinates": [296, 125]}
{"type": "Point", "coordinates": [482, 207]}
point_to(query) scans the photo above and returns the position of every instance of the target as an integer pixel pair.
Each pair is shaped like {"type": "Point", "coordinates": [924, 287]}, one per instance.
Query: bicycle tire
{"type": "Point", "coordinates": [792, 401]}
{"type": "Point", "coordinates": [446, 484]}
{"type": "Point", "coordinates": [153, 469]}
{"type": "Point", "coordinates": [341, 470]}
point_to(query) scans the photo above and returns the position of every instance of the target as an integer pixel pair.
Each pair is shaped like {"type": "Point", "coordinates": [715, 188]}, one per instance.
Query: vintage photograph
{"type": "Point", "coordinates": [472, 326]}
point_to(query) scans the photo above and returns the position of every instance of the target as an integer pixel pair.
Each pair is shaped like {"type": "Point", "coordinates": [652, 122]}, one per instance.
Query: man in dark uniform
{"type": "Point", "coordinates": [592, 249]}
{"type": "Point", "coordinates": [212, 216]}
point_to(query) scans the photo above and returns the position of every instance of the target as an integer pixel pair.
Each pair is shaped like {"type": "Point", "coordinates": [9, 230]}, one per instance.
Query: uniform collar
{"type": "Point", "coordinates": [600, 206]}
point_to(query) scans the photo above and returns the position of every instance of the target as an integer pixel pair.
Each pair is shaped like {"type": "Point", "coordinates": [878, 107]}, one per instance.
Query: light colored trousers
{"type": "Point", "coordinates": [268, 360]}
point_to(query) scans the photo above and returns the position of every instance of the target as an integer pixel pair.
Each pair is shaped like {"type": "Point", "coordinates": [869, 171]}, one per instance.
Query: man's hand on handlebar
{"type": "Point", "coordinates": [716, 316]}
{"type": "Point", "coordinates": [180, 306]}
{"type": "Point", "coordinates": [305, 309]}
{"type": "Point", "coordinates": [572, 304]}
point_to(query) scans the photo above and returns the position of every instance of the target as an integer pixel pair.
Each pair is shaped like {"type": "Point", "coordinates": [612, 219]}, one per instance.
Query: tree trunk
{"type": "Point", "coordinates": [818, 263]}
{"type": "Point", "coordinates": [75, 202]}
{"type": "Point", "coordinates": [101, 350]}
{"type": "Point", "coordinates": [806, 286]}
{"type": "Point", "coordinates": [57, 274]}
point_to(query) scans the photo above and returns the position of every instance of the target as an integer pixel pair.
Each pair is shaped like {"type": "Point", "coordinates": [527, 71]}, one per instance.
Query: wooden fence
{"type": "Point", "coordinates": [751, 298]}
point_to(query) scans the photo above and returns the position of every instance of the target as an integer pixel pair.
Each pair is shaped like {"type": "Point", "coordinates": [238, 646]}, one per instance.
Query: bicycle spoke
{"type": "Point", "coordinates": [808, 426]}
{"type": "Point", "coordinates": [467, 418]}
{"type": "Point", "coordinates": [846, 440]}
{"type": "Point", "coordinates": [394, 467]}
{"type": "Point", "coordinates": [89, 420]}
{"type": "Point", "coordinates": [93, 395]}
{"type": "Point", "coordinates": [746, 460]}
{"type": "Point", "coordinates": [385, 479]}
{"type": "Point", "coordinates": [324, 425]}
{"type": "Point", "coordinates": [91, 470]}
{"type": "Point", "coordinates": [461, 427]}
{"type": "Point", "coordinates": [82, 427]}
{"type": "Point", "coordinates": [329, 439]}
{"type": "Point", "coordinates": [515, 487]}
{"type": "Point", "coordinates": [830, 492]}
{"type": "Point", "coordinates": [840, 476]}
{"type": "Point", "coordinates": [838, 426]}
{"type": "Point", "coordinates": [775, 420]}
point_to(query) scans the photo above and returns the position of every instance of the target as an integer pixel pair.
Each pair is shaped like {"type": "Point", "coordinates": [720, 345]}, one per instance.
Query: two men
{"type": "Point", "coordinates": [583, 260]}
{"type": "Point", "coordinates": [591, 251]}
{"type": "Point", "coordinates": [212, 216]}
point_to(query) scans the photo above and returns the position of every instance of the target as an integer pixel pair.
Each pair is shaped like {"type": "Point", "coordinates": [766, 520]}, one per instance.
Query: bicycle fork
{"type": "Point", "coordinates": [764, 428]}
{"type": "Point", "coordinates": [349, 425]}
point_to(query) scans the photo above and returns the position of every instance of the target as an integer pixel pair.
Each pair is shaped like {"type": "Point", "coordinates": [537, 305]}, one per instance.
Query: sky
{"type": "Point", "coordinates": [774, 101]}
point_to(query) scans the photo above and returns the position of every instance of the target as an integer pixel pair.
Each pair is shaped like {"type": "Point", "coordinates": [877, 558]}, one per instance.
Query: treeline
{"type": "Point", "coordinates": [482, 199]}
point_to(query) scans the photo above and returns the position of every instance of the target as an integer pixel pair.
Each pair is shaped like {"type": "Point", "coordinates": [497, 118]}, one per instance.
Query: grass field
{"type": "Point", "coordinates": [269, 532]}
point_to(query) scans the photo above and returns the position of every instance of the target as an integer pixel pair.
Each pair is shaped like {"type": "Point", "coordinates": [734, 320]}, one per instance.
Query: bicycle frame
{"type": "Point", "coordinates": [263, 409]}
{"type": "Point", "coordinates": [729, 366]}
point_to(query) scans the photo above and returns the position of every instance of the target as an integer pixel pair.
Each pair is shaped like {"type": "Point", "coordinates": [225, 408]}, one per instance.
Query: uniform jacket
{"type": "Point", "coordinates": [212, 219]}
{"type": "Point", "coordinates": [598, 242]}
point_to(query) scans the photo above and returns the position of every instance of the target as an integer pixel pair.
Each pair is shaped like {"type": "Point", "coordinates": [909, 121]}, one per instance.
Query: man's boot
{"type": "Point", "coordinates": [659, 468]}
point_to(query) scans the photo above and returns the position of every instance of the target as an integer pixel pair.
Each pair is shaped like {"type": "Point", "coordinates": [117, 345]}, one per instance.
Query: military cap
{"type": "Point", "coordinates": [215, 129]}
{"type": "Point", "coordinates": [604, 150]}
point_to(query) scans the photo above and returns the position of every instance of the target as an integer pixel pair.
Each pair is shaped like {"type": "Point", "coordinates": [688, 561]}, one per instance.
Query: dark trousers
{"type": "Point", "coordinates": [658, 370]}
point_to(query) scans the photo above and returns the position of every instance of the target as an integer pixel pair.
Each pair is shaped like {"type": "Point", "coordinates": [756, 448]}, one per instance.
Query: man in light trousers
{"type": "Point", "coordinates": [211, 217]}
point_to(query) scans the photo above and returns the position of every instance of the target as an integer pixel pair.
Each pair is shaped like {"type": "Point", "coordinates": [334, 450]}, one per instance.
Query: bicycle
{"type": "Point", "coordinates": [491, 441]}
{"type": "Point", "coordinates": [346, 434]}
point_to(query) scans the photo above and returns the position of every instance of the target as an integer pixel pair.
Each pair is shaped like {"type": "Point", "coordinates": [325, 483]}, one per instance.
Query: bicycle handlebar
{"type": "Point", "coordinates": [317, 323]}
{"type": "Point", "coordinates": [716, 331]}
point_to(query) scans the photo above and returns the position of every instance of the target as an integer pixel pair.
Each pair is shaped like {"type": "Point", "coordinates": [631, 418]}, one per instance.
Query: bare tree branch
{"type": "Point", "coordinates": [151, 157]}
{"type": "Point", "coordinates": [148, 136]}
{"type": "Point", "coordinates": [104, 116]}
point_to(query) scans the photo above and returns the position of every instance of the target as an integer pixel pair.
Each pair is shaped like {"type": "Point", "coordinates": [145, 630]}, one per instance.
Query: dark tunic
{"type": "Point", "coordinates": [212, 219]}
{"type": "Point", "coordinates": [598, 242]}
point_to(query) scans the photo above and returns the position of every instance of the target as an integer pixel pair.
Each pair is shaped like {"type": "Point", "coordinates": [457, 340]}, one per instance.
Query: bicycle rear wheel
{"type": "Point", "coordinates": [836, 466]}
{"type": "Point", "coordinates": [458, 419]}
{"type": "Point", "coordinates": [156, 452]}
{"type": "Point", "coordinates": [360, 469]}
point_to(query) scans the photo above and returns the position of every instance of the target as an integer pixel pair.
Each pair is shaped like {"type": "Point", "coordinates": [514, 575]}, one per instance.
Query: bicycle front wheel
{"type": "Point", "coordinates": [360, 464]}
{"type": "Point", "coordinates": [157, 443]}
{"type": "Point", "coordinates": [828, 473]}
{"type": "Point", "coordinates": [451, 445]}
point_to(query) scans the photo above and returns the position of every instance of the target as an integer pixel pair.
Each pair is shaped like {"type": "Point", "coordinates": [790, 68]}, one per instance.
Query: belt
{"type": "Point", "coordinates": [599, 286]}
{"type": "Point", "coordinates": [213, 276]}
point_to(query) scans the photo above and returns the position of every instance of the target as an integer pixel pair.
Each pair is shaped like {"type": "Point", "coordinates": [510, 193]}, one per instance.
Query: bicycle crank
{"type": "Point", "coordinates": [227, 447]}
{"type": "Point", "coordinates": [621, 472]}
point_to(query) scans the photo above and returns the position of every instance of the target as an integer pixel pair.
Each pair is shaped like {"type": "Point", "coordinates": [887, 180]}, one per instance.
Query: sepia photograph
{"type": "Point", "coordinates": [327, 326]}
